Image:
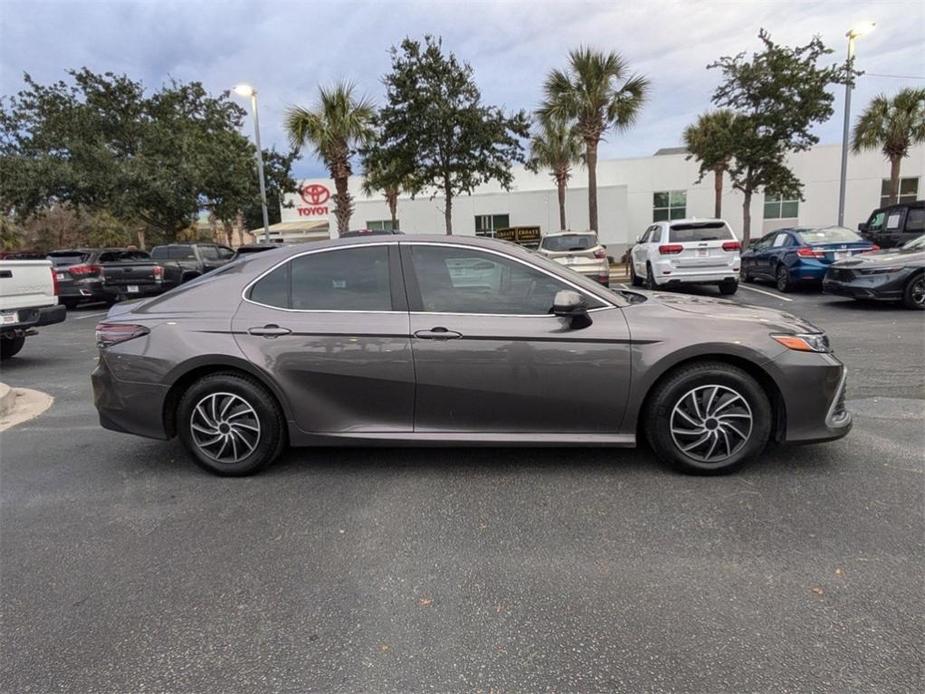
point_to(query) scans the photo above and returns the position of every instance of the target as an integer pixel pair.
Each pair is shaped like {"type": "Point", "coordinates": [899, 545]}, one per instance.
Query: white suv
{"type": "Point", "coordinates": [687, 251]}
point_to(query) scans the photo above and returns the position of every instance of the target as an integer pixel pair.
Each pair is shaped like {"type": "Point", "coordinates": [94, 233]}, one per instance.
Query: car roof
{"type": "Point", "coordinates": [569, 232]}
{"type": "Point", "coordinates": [692, 220]}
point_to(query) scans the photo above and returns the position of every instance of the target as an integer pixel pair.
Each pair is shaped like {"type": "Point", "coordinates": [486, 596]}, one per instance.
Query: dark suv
{"type": "Point", "coordinates": [894, 225]}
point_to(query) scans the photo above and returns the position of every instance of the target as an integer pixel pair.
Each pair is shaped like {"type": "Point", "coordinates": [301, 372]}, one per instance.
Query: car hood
{"type": "Point", "coordinates": [724, 310]}
{"type": "Point", "coordinates": [892, 256]}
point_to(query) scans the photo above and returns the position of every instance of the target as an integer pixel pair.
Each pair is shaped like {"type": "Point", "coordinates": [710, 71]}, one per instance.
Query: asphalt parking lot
{"type": "Point", "coordinates": [127, 568]}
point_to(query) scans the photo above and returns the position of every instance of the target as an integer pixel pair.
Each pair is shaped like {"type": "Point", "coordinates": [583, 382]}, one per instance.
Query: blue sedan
{"type": "Point", "coordinates": [789, 257]}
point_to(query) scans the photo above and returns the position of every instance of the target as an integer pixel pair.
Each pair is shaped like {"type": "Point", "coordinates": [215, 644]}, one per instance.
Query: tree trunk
{"type": "Point", "coordinates": [560, 184]}
{"type": "Point", "coordinates": [718, 192]}
{"type": "Point", "coordinates": [393, 209]}
{"type": "Point", "coordinates": [342, 205]}
{"type": "Point", "coordinates": [591, 156]}
{"type": "Point", "coordinates": [894, 178]}
{"type": "Point", "coordinates": [448, 209]}
{"type": "Point", "coordinates": [141, 238]}
{"type": "Point", "coordinates": [746, 218]}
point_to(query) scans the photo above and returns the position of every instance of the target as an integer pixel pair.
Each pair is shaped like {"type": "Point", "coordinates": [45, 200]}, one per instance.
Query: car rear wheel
{"type": "Point", "coordinates": [708, 418]}
{"type": "Point", "coordinates": [914, 294]}
{"type": "Point", "coordinates": [230, 424]}
{"type": "Point", "coordinates": [728, 288]}
{"type": "Point", "coordinates": [783, 280]}
{"type": "Point", "coordinates": [10, 346]}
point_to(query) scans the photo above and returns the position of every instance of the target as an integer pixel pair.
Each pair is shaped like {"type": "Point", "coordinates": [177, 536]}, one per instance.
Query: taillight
{"type": "Point", "coordinates": [732, 246]}
{"type": "Point", "coordinates": [875, 247]}
{"type": "Point", "coordinates": [84, 269]}
{"type": "Point", "coordinates": [109, 334]}
{"type": "Point", "coordinates": [670, 248]}
{"type": "Point", "coordinates": [805, 252]}
{"type": "Point", "coordinates": [54, 282]}
{"type": "Point", "coordinates": [158, 273]}
{"type": "Point", "coordinates": [600, 253]}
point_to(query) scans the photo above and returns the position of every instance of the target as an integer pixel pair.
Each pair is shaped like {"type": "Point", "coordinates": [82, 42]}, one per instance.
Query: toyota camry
{"type": "Point", "coordinates": [425, 340]}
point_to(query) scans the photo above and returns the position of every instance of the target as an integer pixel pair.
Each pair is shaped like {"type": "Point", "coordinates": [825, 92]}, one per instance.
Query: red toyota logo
{"type": "Point", "coordinates": [315, 194]}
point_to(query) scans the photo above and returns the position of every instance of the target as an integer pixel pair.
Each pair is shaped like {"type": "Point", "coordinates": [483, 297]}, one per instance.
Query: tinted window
{"type": "Point", "coordinates": [645, 236]}
{"type": "Point", "coordinates": [462, 280]}
{"type": "Point", "coordinates": [352, 279]}
{"type": "Point", "coordinates": [569, 242]}
{"type": "Point", "coordinates": [209, 252]}
{"type": "Point", "coordinates": [828, 235]}
{"type": "Point", "coordinates": [115, 256]}
{"type": "Point", "coordinates": [225, 253]}
{"type": "Point", "coordinates": [876, 221]}
{"type": "Point", "coordinates": [656, 235]}
{"type": "Point", "coordinates": [708, 231]}
{"type": "Point", "coordinates": [273, 289]}
{"type": "Point", "coordinates": [915, 219]}
{"type": "Point", "coordinates": [61, 259]}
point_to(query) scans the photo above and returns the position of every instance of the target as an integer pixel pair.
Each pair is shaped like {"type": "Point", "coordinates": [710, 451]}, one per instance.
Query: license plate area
{"type": "Point", "coordinates": [9, 318]}
{"type": "Point", "coordinates": [132, 289]}
{"type": "Point", "coordinates": [60, 275]}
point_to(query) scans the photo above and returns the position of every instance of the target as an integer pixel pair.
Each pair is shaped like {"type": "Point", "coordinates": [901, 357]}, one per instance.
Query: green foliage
{"type": "Point", "coordinates": [555, 145]}
{"type": "Point", "coordinates": [436, 130]}
{"type": "Point", "coordinates": [277, 173]}
{"type": "Point", "coordinates": [385, 176]}
{"type": "Point", "coordinates": [711, 140]}
{"type": "Point", "coordinates": [99, 142]}
{"type": "Point", "coordinates": [598, 94]}
{"type": "Point", "coordinates": [336, 128]}
{"type": "Point", "coordinates": [777, 95]}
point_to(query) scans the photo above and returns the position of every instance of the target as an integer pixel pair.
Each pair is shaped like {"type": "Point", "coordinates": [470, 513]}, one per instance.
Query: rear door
{"type": "Point", "coordinates": [702, 245]}
{"type": "Point", "coordinates": [490, 358]}
{"type": "Point", "coordinates": [330, 326]}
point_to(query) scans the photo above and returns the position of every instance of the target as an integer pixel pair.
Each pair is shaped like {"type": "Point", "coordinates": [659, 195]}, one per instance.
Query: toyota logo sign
{"type": "Point", "coordinates": [315, 194]}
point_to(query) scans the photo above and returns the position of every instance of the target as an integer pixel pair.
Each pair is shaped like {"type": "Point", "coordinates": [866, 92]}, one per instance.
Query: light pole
{"type": "Point", "coordinates": [853, 33]}
{"type": "Point", "coordinates": [247, 90]}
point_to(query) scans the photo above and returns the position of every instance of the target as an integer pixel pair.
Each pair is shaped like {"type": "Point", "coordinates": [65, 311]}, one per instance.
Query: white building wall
{"type": "Point", "coordinates": [625, 196]}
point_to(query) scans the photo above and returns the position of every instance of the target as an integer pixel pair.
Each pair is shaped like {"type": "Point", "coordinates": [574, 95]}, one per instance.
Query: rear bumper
{"type": "Point", "coordinates": [87, 290]}
{"type": "Point", "coordinates": [30, 318]}
{"type": "Point", "coordinates": [130, 408]}
{"type": "Point", "coordinates": [689, 276]}
{"type": "Point", "coordinates": [52, 314]}
{"type": "Point", "coordinates": [115, 291]}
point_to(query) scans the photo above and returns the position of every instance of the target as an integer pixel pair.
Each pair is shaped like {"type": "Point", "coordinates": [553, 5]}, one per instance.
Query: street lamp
{"type": "Point", "coordinates": [853, 33]}
{"type": "Point", "coordinates": [247, 90]}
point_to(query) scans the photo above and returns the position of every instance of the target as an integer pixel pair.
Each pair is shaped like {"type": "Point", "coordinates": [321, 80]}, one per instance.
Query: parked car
{"type": "Point", "coordinates": [686, 251]}
{"type": "Point", "coordinates": [249, 248]}
{"type": "Point", "coordinates": [790, 257]}
{"type": "Point", "coordinates": [357, 233]}
{"type": "Point", "coordinates": [193, 259]}
{"type": "Point", "coordinates": [894, 225]}
{"type": "Point", "coordinates": [135, 274]}
{"type": "Point", "coordinates": [897, 274]}
{"type": "Point", "coordinates": [28, 300]}
{"type": "Point", "coordinates": [79, 272]}
{"type": "Point", "coordinates": [579, 251]}
{"type": "Point", "coordinates": [391, 341]}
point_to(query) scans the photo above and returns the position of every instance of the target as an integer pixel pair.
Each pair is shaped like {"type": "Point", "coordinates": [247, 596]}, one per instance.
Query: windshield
{"type": "Point", "coordinates": [828, 235]}
{"type": "Point", "coordinates": [569, 242]}
{"type": "Point", "coordinates": [700, 231]}
{"type": "Point", "coordinates": [916, 244]}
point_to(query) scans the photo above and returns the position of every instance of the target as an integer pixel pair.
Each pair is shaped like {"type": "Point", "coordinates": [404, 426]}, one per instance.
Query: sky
{"type": "Point", "coordinates": [287, 49]}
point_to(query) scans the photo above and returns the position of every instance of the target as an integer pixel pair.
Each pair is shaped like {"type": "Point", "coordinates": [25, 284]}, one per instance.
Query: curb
{"type": "Point", "coordinates": [7, 399]}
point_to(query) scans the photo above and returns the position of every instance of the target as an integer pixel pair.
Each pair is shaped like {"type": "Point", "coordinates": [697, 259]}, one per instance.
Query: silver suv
{"type": "Point", "coordinates": [579, 251]}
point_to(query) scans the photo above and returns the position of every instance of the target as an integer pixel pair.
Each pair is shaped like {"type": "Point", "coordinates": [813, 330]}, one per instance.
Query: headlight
{"type": "Point", "coordinates": [804, 342]}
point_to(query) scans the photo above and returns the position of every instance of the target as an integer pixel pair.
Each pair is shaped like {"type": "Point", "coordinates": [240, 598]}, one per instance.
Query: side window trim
{"type": "Point", "coordinates": [416, 301]}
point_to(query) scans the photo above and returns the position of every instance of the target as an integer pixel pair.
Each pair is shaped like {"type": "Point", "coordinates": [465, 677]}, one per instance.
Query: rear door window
{"type": "Point", "coordinates": [699, 231]}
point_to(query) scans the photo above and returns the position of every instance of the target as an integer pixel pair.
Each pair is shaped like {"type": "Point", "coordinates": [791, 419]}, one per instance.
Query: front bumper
{"type": "Point", "coordinates": [812, 387]}
{"type": "Point", "coordinates": [887, 286]}
{"type": "Point", "coordinates": [128, 407]}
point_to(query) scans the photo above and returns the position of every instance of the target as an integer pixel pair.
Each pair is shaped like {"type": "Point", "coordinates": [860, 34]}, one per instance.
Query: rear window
{"type": "Point", "coordinates": [173, 253]}
{"type": "Point", "coordinates": [569, 242]}
{"type": "Point", "coordinates": [59, 259]}
{"type": "Point", "coordinates": [705, 231]}
{"type": "Point", "coordinates": [828, 235]}
{"type": "Point", "coordinates": [117, 256]}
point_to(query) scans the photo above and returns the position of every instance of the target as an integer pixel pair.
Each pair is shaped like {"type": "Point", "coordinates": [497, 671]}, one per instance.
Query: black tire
{"type": "Point", "coordinates": [189, 276]}
{"type": "Point", "coordinates": [914, 293]}
{"type": "Point", "coordinates": [728, 288]}
{"type": "Point", "coordinates": [782, 279]}
{"type": "Point", "coordinates": [650, 278]}
{"type": "Point", "coordinates": [268, 442]}
{"type": "Point", "coordinates": [674, 392]}
{"type": "Point", "coordinates": [747, 277]}
{"type": "Point", "coordinates": [69, 304]}
{"type": "Point", "coordinates": [634, 278]}
{"type": "Point", "coordinates": [10, 346]}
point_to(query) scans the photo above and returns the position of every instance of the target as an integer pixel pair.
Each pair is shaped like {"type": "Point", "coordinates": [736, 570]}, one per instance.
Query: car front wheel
{"type": "Point", "coordinates": [708, 418]}
{"type": "Point", "coordinates": [230, 424]}
{"type": "Point", "coordinates": [914, 294]}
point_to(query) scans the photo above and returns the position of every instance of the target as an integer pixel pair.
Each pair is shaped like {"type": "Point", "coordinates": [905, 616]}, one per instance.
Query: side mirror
{"type": "Point", "coordinates": [862, 226]}
{"type": "Point", "coordinates": [569, 304]}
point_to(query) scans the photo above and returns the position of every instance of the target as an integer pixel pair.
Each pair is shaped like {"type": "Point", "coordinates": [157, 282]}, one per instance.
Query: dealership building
{"type": "Point", "coordinates": [632, 193]}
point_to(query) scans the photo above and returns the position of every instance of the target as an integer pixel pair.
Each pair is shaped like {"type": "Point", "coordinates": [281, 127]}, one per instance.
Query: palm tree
{"type": "Point", "coordinates": [385, 177]}
{"type": "Point", "coordinates": [892, 125]}
{"type": "Point", "coordinates": [337, 126]}
{"type": "Point", "coordinates": [596, 93]}
{"type": "Point", "coordinates": [555, 146]}
{"type": "Point", "coordinates": [710, 141]}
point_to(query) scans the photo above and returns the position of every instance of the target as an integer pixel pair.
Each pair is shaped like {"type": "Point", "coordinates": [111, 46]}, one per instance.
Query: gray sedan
{"type": "Point", "coordinates": [429, 340]}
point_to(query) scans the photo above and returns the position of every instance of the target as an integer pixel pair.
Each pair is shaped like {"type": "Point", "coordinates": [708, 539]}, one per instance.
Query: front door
{"type": "Point", "coordinates": [489, 357]}
{"type": "Point", "coordinates": [331, 328]}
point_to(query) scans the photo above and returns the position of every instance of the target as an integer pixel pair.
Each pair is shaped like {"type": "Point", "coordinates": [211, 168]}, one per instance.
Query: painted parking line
{"type": "Point", "coordinates": [766, 293]}
{"type": "Point", "coordinates": [89, 315]}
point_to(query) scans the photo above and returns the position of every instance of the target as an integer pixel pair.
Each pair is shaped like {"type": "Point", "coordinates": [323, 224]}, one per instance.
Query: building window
{"type": "Point", "coordinates": [779, 207]}
{"type": "Point", "coordinates": [488, 224]}
{"type": "Point", "coordinates": [382, 225]}
{"type": "Point", "coordinates": [669, 204]}
{"type": "Point", "coordinates": [908, 190]}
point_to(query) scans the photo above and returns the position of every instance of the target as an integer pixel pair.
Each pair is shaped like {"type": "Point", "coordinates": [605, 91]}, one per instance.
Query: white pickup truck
{"type": "Point", "coordinates": [28, 299]}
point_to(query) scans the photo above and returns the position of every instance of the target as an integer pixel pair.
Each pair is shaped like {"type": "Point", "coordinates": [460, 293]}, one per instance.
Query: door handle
{"type": "Point", "coordinates": [270, 330]}
{"type": "Point", "coordinates": [438, 333]}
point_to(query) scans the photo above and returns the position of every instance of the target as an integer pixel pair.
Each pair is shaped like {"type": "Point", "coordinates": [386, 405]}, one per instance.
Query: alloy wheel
{"type": "Point", "coordinates": [783, 278]}
{"type": "Point", "coordinates": [711, 423]}
{"type": "Point", "coordinates": [225, 427]}
{"type": "Point", "coordinates": [918, 291]}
